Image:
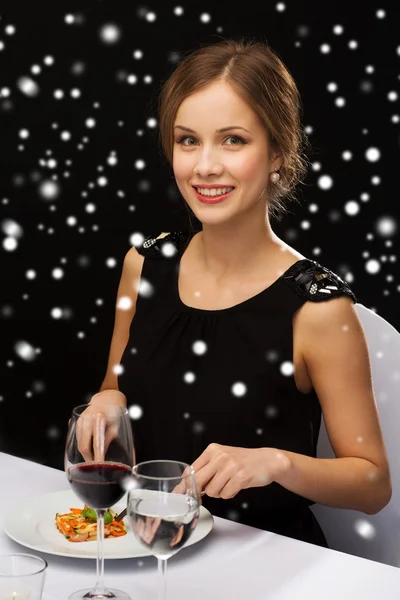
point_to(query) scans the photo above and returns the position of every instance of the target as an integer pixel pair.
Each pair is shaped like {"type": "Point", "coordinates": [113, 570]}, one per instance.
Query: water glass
{"type": "Point", "coordinates": [21, 576]}
{"type": "Point", "coordinates": [163, 508]}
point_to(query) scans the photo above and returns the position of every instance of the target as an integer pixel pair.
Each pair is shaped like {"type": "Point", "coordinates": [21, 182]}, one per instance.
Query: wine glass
{"type": "Point", "coordinates": [163, 509]}
{"type": "Point", "coordinates": [99, 455]}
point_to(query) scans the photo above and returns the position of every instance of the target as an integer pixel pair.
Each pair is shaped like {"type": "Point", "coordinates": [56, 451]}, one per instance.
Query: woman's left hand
{"type": "Point", "coordinates": [222, 471]}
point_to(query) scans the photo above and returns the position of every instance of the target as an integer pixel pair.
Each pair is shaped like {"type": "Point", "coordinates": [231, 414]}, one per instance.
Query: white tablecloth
{"type": "Point", "coordinates": [234, 562]}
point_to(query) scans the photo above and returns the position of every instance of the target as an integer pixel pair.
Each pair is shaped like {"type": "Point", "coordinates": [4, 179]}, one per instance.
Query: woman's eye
{"type": "Point", "coordinates": [183, 138]}
{"type": "Point", "coordinates": [235, 137]}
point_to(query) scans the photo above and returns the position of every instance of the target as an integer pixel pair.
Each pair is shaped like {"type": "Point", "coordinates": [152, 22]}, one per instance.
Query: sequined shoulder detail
{"type": "Point", "coordinates": [152, 246]}
{"type": "Point", "coordinates": [315, 282]}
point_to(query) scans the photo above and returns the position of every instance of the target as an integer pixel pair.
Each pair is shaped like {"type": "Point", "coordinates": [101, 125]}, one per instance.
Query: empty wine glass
{"type": "Point", "coordinates": [163, 509]}
{"type": "Point", "coordinates": [99, 455]}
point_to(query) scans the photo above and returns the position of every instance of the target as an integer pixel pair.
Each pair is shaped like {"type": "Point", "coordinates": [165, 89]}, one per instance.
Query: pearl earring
{"type": "Point", "coordinates": [275, 177]}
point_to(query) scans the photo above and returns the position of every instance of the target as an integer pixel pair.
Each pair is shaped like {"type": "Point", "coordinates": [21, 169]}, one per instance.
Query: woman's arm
{"type": "Point", "coordinates": [336, 354]}
{"type": "Point", "coordinates": [348, 482]}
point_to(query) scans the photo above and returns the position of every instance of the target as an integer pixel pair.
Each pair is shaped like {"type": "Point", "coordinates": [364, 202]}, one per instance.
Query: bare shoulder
{"type": "Point", "coordinates": [130, 276]}
{"type": "Point", "coordinates": [326, 327]}
{"type": "Point", "coordinates": [318, 317]}
{"type": "Point", "coordinates": [133, 261]}
{"type": "Point", "coordinates": [333, 324]}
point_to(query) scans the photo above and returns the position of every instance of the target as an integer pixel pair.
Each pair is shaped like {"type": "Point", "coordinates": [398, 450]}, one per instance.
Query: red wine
{"type": "Point", "coordinates": [100, 485]}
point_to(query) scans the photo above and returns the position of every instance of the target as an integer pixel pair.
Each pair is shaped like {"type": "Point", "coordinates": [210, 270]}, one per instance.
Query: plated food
{"type": "Point", "coordinates": [31, 523]}
{"type": "Point", "coordinates": [80, 524]}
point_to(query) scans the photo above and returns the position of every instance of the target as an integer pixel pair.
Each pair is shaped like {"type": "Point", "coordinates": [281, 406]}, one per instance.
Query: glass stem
{"type": "Point", "coordinates": [99, 587]}
{"type": "Point", "coordinates": [162, 577]}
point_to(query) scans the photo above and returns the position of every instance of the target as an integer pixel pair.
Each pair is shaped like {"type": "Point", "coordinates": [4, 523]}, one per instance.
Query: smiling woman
{"type": "Point", "coordinates": [270, 91]}
{"type": "Point", "coordinates": [238, 342]}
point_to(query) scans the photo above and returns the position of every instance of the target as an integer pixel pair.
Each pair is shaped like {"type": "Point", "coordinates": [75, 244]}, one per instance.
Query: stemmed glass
{"type": "Point", "coordinates": [163, 509]}
{"type": "Point", "coordinates": [99, 456]}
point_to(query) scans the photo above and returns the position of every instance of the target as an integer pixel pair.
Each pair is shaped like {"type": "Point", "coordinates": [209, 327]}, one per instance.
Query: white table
{"type": "Point", "coordinates": [234, 562]}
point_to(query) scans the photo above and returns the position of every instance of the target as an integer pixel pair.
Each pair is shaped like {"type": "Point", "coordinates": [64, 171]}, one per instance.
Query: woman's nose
{"type": "Point", "coordinates": [205, 168]}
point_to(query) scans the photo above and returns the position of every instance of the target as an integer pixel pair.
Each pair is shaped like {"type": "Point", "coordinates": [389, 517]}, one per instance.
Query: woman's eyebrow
{"type": "Point", "coordinates": [217, 131]}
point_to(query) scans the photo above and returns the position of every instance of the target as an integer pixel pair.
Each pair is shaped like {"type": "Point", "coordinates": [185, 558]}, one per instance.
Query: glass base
{"type": "Point", "coordinates": [109, 594]}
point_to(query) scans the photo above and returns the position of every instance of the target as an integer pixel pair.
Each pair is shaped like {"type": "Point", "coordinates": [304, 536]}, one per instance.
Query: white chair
{"type": "Point", "coordinates": [375, 537]}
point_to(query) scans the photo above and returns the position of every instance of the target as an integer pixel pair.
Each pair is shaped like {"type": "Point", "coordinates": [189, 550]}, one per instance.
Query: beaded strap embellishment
{"type": "Point", "coordinates": [152, 245]}
{"type": "Point", "coordinates": [315, 282]}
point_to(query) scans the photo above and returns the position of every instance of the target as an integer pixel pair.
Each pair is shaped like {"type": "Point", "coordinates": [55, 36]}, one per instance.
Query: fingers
{"type": "Point", "coordinates": [95, 430]}
{"type": "Point", "coordinates": [204, 476]}
{"type": "Point", "coordinates": [111, 434]}
{"type": "Point", "coordinates": [99, 428]}
{"type": "Point", "coordinates": [204, 468]}
{"type": "Point", "coordinates": [185, 485]}
{"type": "Point", "coordinates": [200, 491]}
{"type": "Point", "coordinates": [84, 436]}
{"type": "Point", "coordinates": [180, 488]}
{"type": "Point", "coordinates": [202, 460]}
{"type": "Point", "coordinates": [188, 471]}
{"type": "Point", "coordinates": [217, 484]}
{"type": "Point", "coordinates": [229, 490]}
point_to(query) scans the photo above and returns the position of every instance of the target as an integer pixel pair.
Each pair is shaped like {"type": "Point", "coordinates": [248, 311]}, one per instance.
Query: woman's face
{"type": "Point", "coordinates": [239, 157]}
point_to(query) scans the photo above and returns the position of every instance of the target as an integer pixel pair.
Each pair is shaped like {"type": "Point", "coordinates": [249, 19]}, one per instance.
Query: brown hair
{"type": "Point", "coordinates": [260, 78]}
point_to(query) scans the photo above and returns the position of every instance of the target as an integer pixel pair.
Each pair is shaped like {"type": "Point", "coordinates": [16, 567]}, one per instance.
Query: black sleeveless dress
{"type": "Point", "coordinates": [226, 376]}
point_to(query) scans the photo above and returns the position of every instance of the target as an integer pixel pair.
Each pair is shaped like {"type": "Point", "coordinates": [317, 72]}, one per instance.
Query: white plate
{"type": "Point", "coordinates": [32, 524]}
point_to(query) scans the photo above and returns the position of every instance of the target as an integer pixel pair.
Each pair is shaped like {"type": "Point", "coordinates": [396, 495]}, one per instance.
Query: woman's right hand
{"type": "Point", "coordinates": [98, 424]}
